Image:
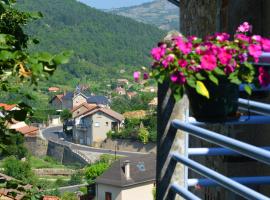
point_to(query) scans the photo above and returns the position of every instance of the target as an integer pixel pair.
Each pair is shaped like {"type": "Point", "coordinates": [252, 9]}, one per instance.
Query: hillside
{"type": "Point", "coordinates": [160, 13]}
{"type": "Point", "coordinates": [103, 43]}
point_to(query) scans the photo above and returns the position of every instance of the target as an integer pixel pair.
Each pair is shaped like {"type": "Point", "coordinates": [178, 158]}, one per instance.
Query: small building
{"type": "Point", "coordinates": [101, 101]}
{"type": "Point", "coordinates": [122, 82]}
{"type": "Point", "coordinates": [92, 123]}
{"type": "Point", "coordinates": [53, 89]}
{"type": "Point", "coordinates": [137, 114]}
{"type": "Point", "coordinates": [80, 98]}
{"type": "Point", "coordinates": [67, 100]}
{"type": "Point", "coordinates": [130, 178]}
{"type": "Point", "coordinates": [130, 95]}
{"type": "Point", "coordinates": [57, 102]}
{"type": "Point", "coordinates": [120, 91]}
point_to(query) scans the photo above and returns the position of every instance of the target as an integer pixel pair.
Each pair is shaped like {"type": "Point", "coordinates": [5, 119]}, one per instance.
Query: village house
{"type": "Point", "coordinates": [120, 91]}
{"type": "Point", "coordinates": [130, 178]}
{"type": "Point", "coordinates": [83, 97]}
{"type": "Point", "coordinates": [53, 89]}
{"type": "Point", "coordinates": [62, 101]}
{"type": "Point", "coordinates": [56, 102]}
{"type": "Point", "coordinates": [92, 123]}
{"type": "Point", "coordinates": [122, 82]}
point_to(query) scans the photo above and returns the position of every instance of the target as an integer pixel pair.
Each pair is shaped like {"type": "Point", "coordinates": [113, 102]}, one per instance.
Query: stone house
{"type": "Point", "coordinates": [128, 179]}
{"type": "Point", "coordinates": [81, 98]}
{"type": "Point", "coordinates": [56, 102]}
{"type": "Point", "coordinates": [92, 123]}
{"type": "Point", "coordinates": [120, 91]}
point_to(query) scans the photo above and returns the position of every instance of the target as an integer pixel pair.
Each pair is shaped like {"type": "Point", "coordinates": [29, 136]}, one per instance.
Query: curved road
{"type": "Point", "coordinates": [55, 133]}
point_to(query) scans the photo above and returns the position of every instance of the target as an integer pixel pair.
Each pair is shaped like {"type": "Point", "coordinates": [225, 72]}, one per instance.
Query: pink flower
{"type": "Point", "coordinates": [264, 77]}
{"type": "Point", "coordinates": [145, 76]}
{"type": "Point", "coordinates": [243, 57]}
{"type": "Point", "coordinates": [266, 44]}
{"type": "Point", "coordinates": [182, 63]}
{"type": "Point", "coordinates": [255, 51]}
{"type": "Point", "coordinates": [136, 75]}
{"type": "Point", "coordinates": [208, 62]}
{"type": "Point", "coordinates": [178, 78]}
{"type": "Point", "coordinates": [224, 57]}
{"type": "Point", "coordinates": [222, 36]}
{"type": "Point", "coordinates": [169, 59]}
{"type": "Point", "coordinates": [256, 38]}
{"type": "Point", "coordinates": [158, 52]}
{"type": "Point", "coordinates": [230, 67]}
{"type": "Point", "coordinates": [245, 27]}
{"type": "Point", "coordinates": [242, 37]}
{"type": "Point", "coordinates": [183, 46]}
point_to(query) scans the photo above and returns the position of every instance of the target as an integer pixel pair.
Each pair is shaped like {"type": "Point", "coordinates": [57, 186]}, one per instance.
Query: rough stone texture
{"type": "Point", "coordinates": [198, 17]}
{"type": "Point", "coordinates": [53, 172]}
{"type": "Point", "coordinates": [36, 146]}
{"type": "Point", "coordinates": [169, 140]}
{"type": "Point", "coordinates": [64, 154]}
{"type": "Point", "coordinates": [128, 145]}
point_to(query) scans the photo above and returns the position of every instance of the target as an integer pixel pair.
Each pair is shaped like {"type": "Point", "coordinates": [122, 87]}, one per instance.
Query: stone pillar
{"type": "Point", "coordinates": [169, 140]}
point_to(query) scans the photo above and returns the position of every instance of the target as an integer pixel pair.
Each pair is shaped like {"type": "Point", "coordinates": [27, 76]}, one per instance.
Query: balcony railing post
{"type": "Point", "coordinates": [169, 140]}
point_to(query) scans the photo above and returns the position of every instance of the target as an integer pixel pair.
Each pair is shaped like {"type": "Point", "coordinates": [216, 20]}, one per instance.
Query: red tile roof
{"type": "Point", "coordinates": [28, 131]}
{"type": "Point", "coordinates": [53, 89]}
{"type": "Point", "coordinates": [7, 107]}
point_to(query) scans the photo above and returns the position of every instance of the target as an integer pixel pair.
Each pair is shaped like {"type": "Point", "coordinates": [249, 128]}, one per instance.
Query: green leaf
{"type": "Point", "coordinates": [191, 83]}
{"type": "Point", "coordinates": [219, 71]}
{"type": "Point", "coordinates": [199, 76]}
{"type": "Point", "coordinates": [45, 57]}
{"type": "Point", "coordinates": [235, 80]}
{"type": "Point", "coordinates": [248, 89]}
{"type": "Point", "coordinates": [248, 65]}
{"type": "Point", "coordinates": [201, 89]}
{"type": "Point", "coordinates": [213, 79]}
{"type": "Point", "coordinates": [6, 55]}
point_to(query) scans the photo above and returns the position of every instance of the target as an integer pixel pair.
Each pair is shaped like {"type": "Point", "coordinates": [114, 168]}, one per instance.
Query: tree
{"type": "Point", "coordinates": [19, 68]}
{"type": "Point", "coordinates": [65, 115]}
{"type": "Point", "coordinates": [18, 169]}
{"type": "Point", "coordinates": [95, 170]}
{"type": "Point", "coordinates": [143, 135]}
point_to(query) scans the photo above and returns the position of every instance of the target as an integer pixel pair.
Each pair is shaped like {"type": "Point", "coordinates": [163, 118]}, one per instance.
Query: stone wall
{"type": "Point", "coordinates": [53, 172]}
{"type": "Point", "coordinates": [128, 145]}
{"type": "Point", "coordinates": [36, 146]}
{"type": "Point", "coordinates": [64, 154]}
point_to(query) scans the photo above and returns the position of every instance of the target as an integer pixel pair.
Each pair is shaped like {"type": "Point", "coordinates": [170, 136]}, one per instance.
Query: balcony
{"type": "Point", "coordinates": [82, 126]}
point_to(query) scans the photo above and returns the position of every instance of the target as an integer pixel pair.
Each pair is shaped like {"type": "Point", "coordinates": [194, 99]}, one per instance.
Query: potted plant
{"type": "Point", "coordinates": [210, 70]}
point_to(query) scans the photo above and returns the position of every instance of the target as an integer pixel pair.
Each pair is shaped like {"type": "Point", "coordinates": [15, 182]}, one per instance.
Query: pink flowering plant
{"type": "Point", "coordinates": [191, 61]}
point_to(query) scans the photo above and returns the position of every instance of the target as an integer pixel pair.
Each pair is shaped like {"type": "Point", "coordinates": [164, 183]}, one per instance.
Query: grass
{"type": "Point", "coordinates": [46, 162]}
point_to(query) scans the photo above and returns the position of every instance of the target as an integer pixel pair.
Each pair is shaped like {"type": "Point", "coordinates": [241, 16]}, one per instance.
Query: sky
{"type": "Point", "coordinates": [108, 4]}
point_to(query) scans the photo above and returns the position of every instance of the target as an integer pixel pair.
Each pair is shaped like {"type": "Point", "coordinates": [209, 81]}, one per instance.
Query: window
{"type": "Point", "coordinates": [97, 124]}
{"type": "Point", "coordinates": [107, 123]}
{"type": "Point", "coordinates": [108, 196]}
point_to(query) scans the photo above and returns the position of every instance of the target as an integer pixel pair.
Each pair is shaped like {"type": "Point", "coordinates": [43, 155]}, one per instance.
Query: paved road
{"type": "Point", "coordinates": [55, 133]}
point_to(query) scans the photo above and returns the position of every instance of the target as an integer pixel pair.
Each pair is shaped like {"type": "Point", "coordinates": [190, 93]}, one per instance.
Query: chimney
{"type": "Point", "coordinates": [127, 169]}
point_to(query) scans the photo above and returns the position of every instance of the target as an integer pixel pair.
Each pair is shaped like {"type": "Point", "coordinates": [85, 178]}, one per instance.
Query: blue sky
{"type": "Point", "coordinates": [108, 4]}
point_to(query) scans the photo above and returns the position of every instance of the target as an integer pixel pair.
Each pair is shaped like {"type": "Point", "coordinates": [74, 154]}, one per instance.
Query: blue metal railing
{"type": "Point", "coordinates": [230, 147]}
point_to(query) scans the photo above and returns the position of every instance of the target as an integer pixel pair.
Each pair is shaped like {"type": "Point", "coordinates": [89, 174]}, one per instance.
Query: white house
{"type": "Point", "coordinates": [92, 123]}
{"type": "Point", "coordinates": [130, 178]}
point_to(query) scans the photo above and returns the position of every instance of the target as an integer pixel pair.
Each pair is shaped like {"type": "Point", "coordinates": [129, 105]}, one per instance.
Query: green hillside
{"type": "Point", "coordinates": [103, 43]}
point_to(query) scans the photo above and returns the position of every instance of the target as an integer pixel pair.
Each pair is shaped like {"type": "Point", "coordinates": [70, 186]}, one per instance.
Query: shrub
{"type": "Point", "coordinates": [95, 170]}
{"type": "Point", "coordinates": [18, 169]}
{"type": "Point", "coordinates": [75, 179]}
{"type": "Point", "coordinates": [143, 135]}
{"type": "Point", "coordinates": [69, 196]}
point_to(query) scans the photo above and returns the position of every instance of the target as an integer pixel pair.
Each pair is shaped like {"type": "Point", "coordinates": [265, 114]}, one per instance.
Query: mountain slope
{"type": "Point", "coordinates": [160, 13]}
{"type": "Point", "coordinates": [103, 43]}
